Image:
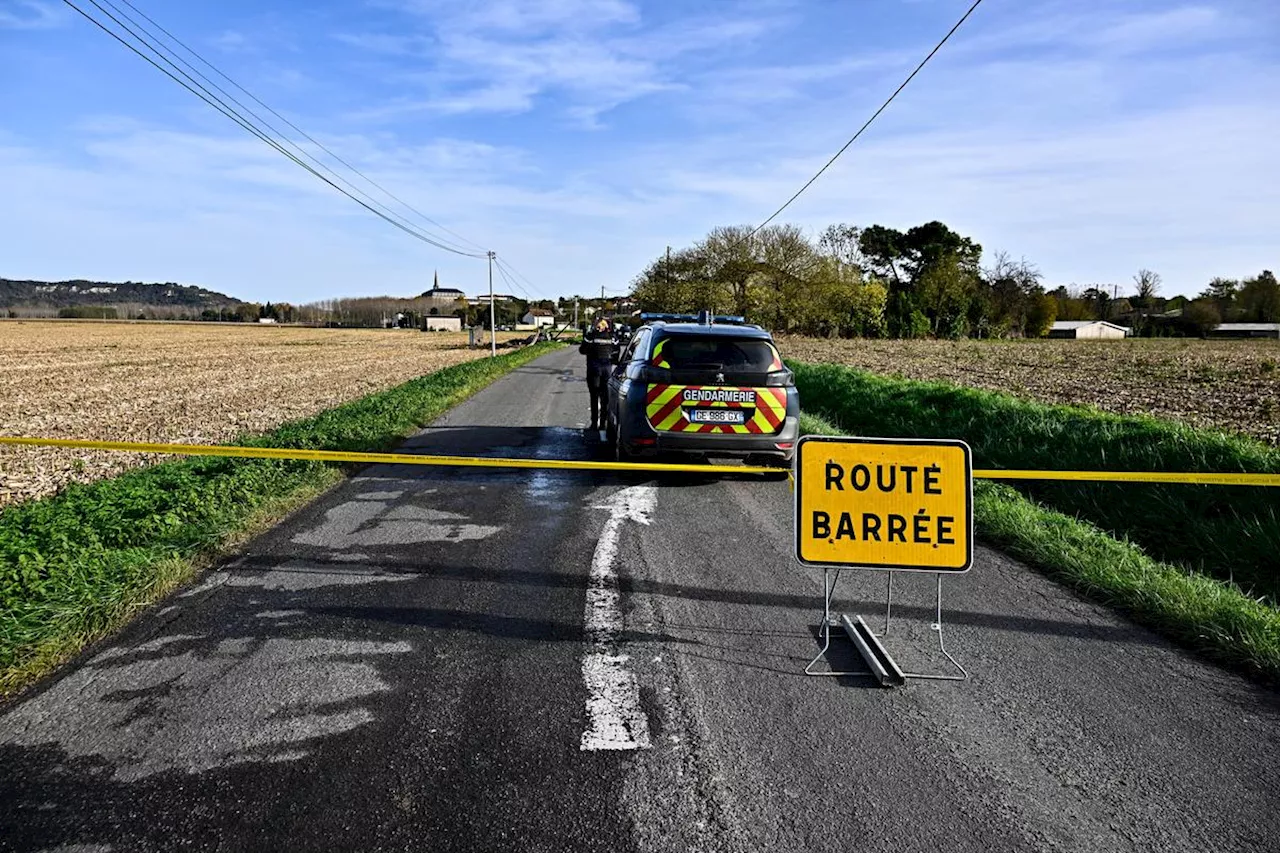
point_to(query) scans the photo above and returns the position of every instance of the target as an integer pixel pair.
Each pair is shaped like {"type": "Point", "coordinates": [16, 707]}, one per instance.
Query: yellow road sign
{"type": "Point", "coordinates": [881, 503]}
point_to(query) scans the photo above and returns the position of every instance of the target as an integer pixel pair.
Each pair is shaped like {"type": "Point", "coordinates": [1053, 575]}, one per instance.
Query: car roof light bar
{"type": "Point", "coordinates": [704, 318]}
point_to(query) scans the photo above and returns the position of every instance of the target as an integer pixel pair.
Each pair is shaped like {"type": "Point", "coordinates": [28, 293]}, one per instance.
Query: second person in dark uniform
{"type": "Point", "coordinates": [597, 345]}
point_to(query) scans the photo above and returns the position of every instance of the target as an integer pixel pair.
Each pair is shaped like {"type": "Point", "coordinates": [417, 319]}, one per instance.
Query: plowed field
{"type": "Point", "coordinates": [194, 383]}
{"type": "Point", "coordinates": [1232, 385]}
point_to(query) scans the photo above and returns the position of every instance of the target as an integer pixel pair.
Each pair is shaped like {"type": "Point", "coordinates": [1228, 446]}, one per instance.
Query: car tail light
{"type": "Point", "coordinates": [644, 442]}
{"type": "Point", "coordinates": [780, 379]}
{"type": "Point", "coordinates": [784, 445]}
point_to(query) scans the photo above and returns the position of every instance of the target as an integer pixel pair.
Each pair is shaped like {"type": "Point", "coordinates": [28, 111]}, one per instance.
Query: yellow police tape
{"type": "Point", "coordinates": [1193, 478]}
{"type": "Point", "coordinates": [1213, 479]}
{"type": "Point", "coordinates": [383, 458]}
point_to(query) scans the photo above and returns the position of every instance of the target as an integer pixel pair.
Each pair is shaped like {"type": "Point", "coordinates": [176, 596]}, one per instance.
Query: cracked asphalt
{"type": "Point", "coordinates": [399, 666]}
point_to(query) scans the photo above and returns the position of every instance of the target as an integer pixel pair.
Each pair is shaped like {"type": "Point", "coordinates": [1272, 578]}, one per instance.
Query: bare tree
{"type": "Point", "coordinates": [1148, 284]}
{"type": "Point", "coordinates": [841, 243]}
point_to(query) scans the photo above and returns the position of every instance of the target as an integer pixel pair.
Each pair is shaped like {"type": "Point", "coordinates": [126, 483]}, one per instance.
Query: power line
{"type": "Point", "coordinates": [513, 271]}
{"type": "Point", "coordinates": [219, 105]}
{"type": "Point", "coordinates": [231, 113]}
{"type": "Point", "coordinates": [275, 132]}
{"type": "Point", "coordinates": [297, 129]}
{"type": "Point", "coordinates": [511, 283]}
{"type": "Point", "coordinates": [874, 116]}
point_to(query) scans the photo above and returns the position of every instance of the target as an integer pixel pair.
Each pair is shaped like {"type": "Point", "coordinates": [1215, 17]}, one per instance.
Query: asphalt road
{"type": "Point", "coordinates": [476, 660]}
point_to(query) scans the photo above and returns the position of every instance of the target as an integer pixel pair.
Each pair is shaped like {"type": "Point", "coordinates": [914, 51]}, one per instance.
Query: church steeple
{"type": "Point", "coordinates": [435, 280]}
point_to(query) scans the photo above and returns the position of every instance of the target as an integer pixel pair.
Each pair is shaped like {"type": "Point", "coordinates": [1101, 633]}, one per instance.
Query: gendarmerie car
{"type": "Point", "coordinates": [710, 385]}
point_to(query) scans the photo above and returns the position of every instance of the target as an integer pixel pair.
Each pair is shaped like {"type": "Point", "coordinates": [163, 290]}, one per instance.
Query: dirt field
{"type": "Point", "coordinates": [195, 383]}
{"type": "Point", "coordinates": [1232, 385]}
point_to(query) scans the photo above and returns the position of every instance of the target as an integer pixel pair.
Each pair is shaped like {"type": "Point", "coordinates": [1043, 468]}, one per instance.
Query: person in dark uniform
{"type": "Point", "coordinates": [597, 346]}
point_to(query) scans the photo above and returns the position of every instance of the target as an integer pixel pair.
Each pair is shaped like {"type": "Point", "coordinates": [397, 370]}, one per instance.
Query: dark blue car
{"type": "Point", "coordinates": [713, 386]}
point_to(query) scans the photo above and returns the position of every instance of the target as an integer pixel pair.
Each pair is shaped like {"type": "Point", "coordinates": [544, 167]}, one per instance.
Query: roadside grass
{"type": "Point", "coordinates": [1231, 533]}
{"type": "Point", "coordinates": [1213, 617]}
{"type": "Point", "coordinates": [77, 565]}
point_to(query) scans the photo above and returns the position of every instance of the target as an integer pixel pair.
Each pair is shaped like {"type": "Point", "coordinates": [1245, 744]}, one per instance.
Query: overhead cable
{"type": "Point", "coordinates": [509, 272]}
{"type": "Point", "coordinates": [512, 283]}
{"type": "Point", "coordinates": [874, 116]}
{"type": "Point", "coordinates": [195, 88]}
{"type": "Point", "coordinates": [293, 126]}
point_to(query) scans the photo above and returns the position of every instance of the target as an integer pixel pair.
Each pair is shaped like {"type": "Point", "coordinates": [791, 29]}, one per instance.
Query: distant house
{"type": "Point", "coordinates": [539, 318]}
{"type": "Point", "coordinates": [267, 320]}
{"type": "Point", "coordinates": [1086, 329]}
{"type": "Point", "coordinates": [433, 323]}
{"type": "Point", "coordinates": [1246, 330]}
{"type": "Point", "coordinates": [483, 299]}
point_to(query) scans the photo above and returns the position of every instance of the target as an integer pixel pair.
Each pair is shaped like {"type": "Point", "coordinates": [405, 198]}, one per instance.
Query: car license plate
{"type": "Point", "coordinates": [717, 416]}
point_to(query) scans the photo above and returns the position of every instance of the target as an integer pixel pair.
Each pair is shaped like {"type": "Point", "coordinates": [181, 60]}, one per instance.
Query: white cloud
{"type": "Point", "coordinates": [526, 16]}
{"type": "Point", "coordinates": [30, 15]}
{"type": "Point", "coordinates": [230, 41]}
{"type": "Point", "coordinates": [1040, 132]}
{"type": "Point", "coordinates": [506, 56]}
{"type": "Point", "coordinates": [1069, 27]}
{"type": "Point", "coordinates": [1161, 29]}
{"type": "Point", "coordinates": [229, 213]}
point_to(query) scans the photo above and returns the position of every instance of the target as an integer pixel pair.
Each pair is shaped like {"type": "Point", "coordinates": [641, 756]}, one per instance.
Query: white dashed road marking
{"type": "Point", "coordinates": [615, 719]}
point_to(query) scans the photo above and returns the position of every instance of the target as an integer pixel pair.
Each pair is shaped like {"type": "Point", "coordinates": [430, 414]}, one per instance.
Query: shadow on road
{"type": "Point", "coordinates": [399, 563]}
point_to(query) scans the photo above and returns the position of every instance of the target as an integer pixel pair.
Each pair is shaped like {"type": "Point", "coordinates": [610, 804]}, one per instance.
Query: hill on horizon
{"type": "Point", "coordinates": [80, 292]}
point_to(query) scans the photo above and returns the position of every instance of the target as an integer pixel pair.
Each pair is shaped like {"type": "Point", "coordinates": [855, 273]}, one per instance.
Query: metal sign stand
{"type": "Point", "coordinates": [829, 588]}
{"type": "Point", "coordinates": [880, 664]}
{"type": "Point", "coordinates": [935, 626]}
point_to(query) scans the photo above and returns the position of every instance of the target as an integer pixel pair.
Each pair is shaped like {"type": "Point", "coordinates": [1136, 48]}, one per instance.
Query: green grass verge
{"type": "Point", "coordinates": [1231, 533]}
{"type": "Point", "coordinates": [1207, 615]}
{"type": "Point", "coordinates": [74, 566]}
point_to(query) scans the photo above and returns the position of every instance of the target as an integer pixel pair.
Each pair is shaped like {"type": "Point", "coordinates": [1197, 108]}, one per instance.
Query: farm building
{"type": "Point", "coordinates": [1246, 330]}
{"type": "Point", "coordinates": [1087, 329]}
{"type": "Point", "coordinates": [432, 323]}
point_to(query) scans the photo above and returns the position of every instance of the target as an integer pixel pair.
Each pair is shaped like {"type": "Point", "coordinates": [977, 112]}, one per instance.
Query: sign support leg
{"type": "Point", "coordinates": [937, 626]}
{"type": "Point", "coordinates": [828, 591]}
{"type": "Point", "coordinates": [888, 600]}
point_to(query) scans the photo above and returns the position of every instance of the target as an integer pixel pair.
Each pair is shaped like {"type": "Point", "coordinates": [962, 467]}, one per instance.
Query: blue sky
{"type": "Point", "coordinates": [577, 138]}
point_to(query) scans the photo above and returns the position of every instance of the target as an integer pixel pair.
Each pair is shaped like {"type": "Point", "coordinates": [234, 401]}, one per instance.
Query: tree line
{"type": "Point", "coordinates": [1251, 300]}
{"type": "Point", "coordinates": [926, 281]}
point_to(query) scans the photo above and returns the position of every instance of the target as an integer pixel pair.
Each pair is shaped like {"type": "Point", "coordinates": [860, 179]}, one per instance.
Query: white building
{"type": "Point", "coordinates": [1086, 329]}
{"type": "Point", "coordinates": [1246, 330]}
{"type": "Point", "coordinates": [539, 318]}
{"type": "Point", "coordinates": [435, 323]}
{"type": "Point", "coordinates": [483, 299]}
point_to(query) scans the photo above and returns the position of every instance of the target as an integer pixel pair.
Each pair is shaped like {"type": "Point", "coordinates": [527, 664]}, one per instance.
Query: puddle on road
{"type": "Point", "coordinates": [371, 522]}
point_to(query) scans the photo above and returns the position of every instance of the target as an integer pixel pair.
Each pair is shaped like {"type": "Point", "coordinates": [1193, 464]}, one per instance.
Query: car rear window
{"type": "Point", "coordinates": [689, 353]}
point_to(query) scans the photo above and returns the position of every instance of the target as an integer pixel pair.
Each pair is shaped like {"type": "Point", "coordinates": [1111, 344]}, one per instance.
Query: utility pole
{"type": "Point", "coordinates": [667, 269]}
{"type": "Point", "coordinates": [493, 326]}
{"type": "Point", "coordinates": [575, 313]}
